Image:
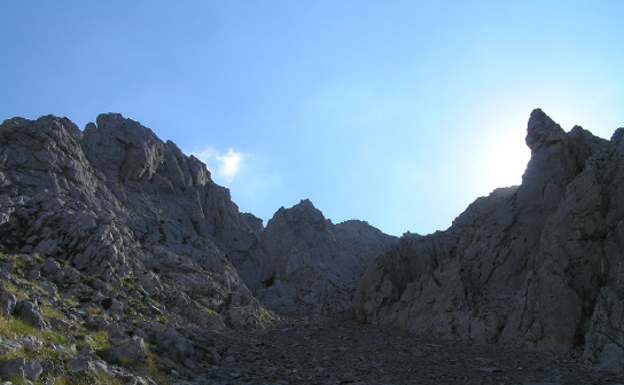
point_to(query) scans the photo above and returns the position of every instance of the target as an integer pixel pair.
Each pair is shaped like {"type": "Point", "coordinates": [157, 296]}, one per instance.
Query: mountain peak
{"type": "Point", "coordinates": [542, 131]}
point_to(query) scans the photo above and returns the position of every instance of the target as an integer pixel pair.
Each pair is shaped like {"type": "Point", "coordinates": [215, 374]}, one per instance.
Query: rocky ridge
{"type": "Point", "coordinates": [538, 265]}
{"type": "Point", "coordinates": [121, 261]}
{"type": "Point", "coordinates": [119, 256]}
{"type": "Point", "coordinates": [116, 203]}
{"type": "Point", "coordinates": [311, 265]}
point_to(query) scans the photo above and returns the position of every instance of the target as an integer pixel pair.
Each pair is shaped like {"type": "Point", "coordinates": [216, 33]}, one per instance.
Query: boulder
{"type": "Point", "coordinates": [7, 303]}
{"type": "Point", "coordinates": [172, 343]}
{"type": "Point", "coordinates": [20, 367]}
{"type": "Point", "coordinates": [49, 267]}
{"type": "Point", "coordinates": [30, 313]}
{"type": "Point", "coordinates": [79, 365]}
{"type": "Point", "coordinates": [131, 352]}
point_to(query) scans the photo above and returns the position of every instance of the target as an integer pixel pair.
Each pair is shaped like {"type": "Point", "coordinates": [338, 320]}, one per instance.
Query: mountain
{"type": "Point", "coordinates": [119, 256]}
{"type": "Point", "coordinates": [116, 203]}
{"type": "Point", "coordinates": [539, 265]}
{"type": "Point", "coordinates": [311, 266]}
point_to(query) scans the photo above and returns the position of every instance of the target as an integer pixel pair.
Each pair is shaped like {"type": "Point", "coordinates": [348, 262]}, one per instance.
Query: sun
{"type": "Point", "coordinates": [507, 161]}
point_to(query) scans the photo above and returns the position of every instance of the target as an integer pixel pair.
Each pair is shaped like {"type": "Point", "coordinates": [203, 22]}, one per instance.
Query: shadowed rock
{"type": "Point", "coordinates": [537, 265]}
{"type": "Point", "coordinates": [131, 352]}
{"type": "Point", "coordinates": [312, 265]}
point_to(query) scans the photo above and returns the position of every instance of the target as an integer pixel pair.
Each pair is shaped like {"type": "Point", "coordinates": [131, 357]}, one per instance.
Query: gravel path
{"type": "Point", "coordinates": [345, 352]}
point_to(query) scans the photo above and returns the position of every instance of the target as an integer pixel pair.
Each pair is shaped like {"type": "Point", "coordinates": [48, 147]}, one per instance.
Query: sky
{"type": "Point", "coordinates": [398, 113]}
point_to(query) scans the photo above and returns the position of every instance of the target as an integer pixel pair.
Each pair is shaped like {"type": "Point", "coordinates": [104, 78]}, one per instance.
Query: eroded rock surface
{"type": "Point", "coordinates": [117, 203]}
{"type": "Point", "coordinates": [117, 256]}
{"type": "Point", "coordinates": [311, 266]}
{"type": "Point", "coordinates": [538, 265]}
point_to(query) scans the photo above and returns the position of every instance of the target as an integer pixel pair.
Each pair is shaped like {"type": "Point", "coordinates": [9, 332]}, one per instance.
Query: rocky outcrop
{"type": "Point", "coordinates": [311, 265]}
{"type": "Point", "coordinates": [116, 204]}
{"type": "Point", "coordinates": [539, 264]}
{"type": "Point", "coordinates": [121, 250]}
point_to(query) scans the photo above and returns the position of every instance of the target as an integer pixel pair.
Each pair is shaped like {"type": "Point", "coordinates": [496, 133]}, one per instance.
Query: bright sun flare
{"type": "Point", "coordinates": [507, 161]}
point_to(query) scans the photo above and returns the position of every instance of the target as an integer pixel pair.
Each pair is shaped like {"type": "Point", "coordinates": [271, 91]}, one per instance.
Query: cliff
{"type": "Point", "coordinates": [311, 266]}
{"type": "Point", "coordinates": [538, 265]}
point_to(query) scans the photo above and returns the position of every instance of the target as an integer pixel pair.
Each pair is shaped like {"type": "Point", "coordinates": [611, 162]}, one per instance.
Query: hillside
{"type": "Point", "coordinates": [120, 256]}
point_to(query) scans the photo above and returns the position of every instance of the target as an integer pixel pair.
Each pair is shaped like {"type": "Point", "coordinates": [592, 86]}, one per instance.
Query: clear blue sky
{"type": "Point", "coordinates": [399, 113]}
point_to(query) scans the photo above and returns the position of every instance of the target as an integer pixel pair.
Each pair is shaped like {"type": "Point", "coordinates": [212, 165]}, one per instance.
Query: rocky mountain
{"type": "Point", "coordinates": [311, 265]}
{"type": "Point", "coordinates": [119, 256]}
{"type": "Point", "coordinates": [121, 261]}
{"type": "Point", "coordinates": [538, 265]}
{"type": "Point", "coordinates": [115, 251]}
{"type": "Point", "coordinates": [116, 203]}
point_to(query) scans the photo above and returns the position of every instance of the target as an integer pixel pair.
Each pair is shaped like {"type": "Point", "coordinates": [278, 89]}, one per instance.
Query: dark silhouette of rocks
{"type": "Point", "coordinates": [312, 265]}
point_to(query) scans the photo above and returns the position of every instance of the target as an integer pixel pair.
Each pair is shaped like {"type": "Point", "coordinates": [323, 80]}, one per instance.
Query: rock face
{"type": "Point", "coordinates": [124, 252]}
{"type": "Point", "coordinates": [538, 265]}
{"type": "Point", "coordinates": [116, 203]}
{"type": "Point", "coordinates": [311, 265]}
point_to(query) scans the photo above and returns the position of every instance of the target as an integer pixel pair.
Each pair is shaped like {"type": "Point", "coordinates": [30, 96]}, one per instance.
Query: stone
{"type": "Point", "coordinates": [20, 367]}
{"type": "Point", "coordinates": [491, 369]}
{"type": "Point", "coordinates": [79, 365]}
{"type": "Point", "coordinates": [50, 267]}
{"type": "Point", "coordinates": [177, 347]}
{"type": "Point", "coordinates": [213, 356]}
{"type": "Point", "coordinates": [10, 346]}
{"type": "Point", "coordinates": [67, 276]}
{"type": "Point", "coordinates": [8, 301]}
{"type": "Point", "coordinates": [47, 367]}
{"type": "Point", "coordinates": [49, 288]}
{"type": "Point", "coordinates": [130, 352]}
{"type": "Point", "coordinates": [30, 313]}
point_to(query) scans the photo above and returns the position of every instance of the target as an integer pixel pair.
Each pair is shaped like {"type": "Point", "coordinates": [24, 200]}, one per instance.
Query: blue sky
{"type": "Point", "coordinates": [399, 113]}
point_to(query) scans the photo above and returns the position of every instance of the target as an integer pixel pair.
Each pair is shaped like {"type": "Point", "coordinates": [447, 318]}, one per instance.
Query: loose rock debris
{"type": "Point", "coordinates": [345, 352]}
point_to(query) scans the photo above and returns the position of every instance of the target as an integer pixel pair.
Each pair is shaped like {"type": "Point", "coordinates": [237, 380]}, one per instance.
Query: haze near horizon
{"type": "Point", "coordinates": [400, 114]}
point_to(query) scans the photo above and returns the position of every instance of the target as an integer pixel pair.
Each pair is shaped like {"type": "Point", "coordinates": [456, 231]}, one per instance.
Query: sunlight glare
{"type": "Point", "coordinates": [508, 161]}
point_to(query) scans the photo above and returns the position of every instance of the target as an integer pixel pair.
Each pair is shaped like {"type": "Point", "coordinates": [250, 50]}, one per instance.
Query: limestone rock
{"type": "Point", "coordinates": [130, 352]}
{"type": "Point", "coordinates": [311, 264]}
{"type": "Point", "coordinates": [7, 303]}
{"type": "Point", "coordinates": [79, 365]}
{"type": "Point", "coordinates": [30, 313]}
{"type": "Point", "coordinates": [537, 265]}
{"type": "Point", "coordinates": [116, 205]}
{"type": "Point", "coordinates": [20, 367]}
{"type": "Point", "coordinates": [50, 267]}
{"type": "Point", "coordinates": [177, 347]}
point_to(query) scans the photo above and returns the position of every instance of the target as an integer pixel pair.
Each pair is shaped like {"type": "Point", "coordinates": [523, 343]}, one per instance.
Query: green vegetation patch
{"type": "Point", "coordinates": [11, 327]}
